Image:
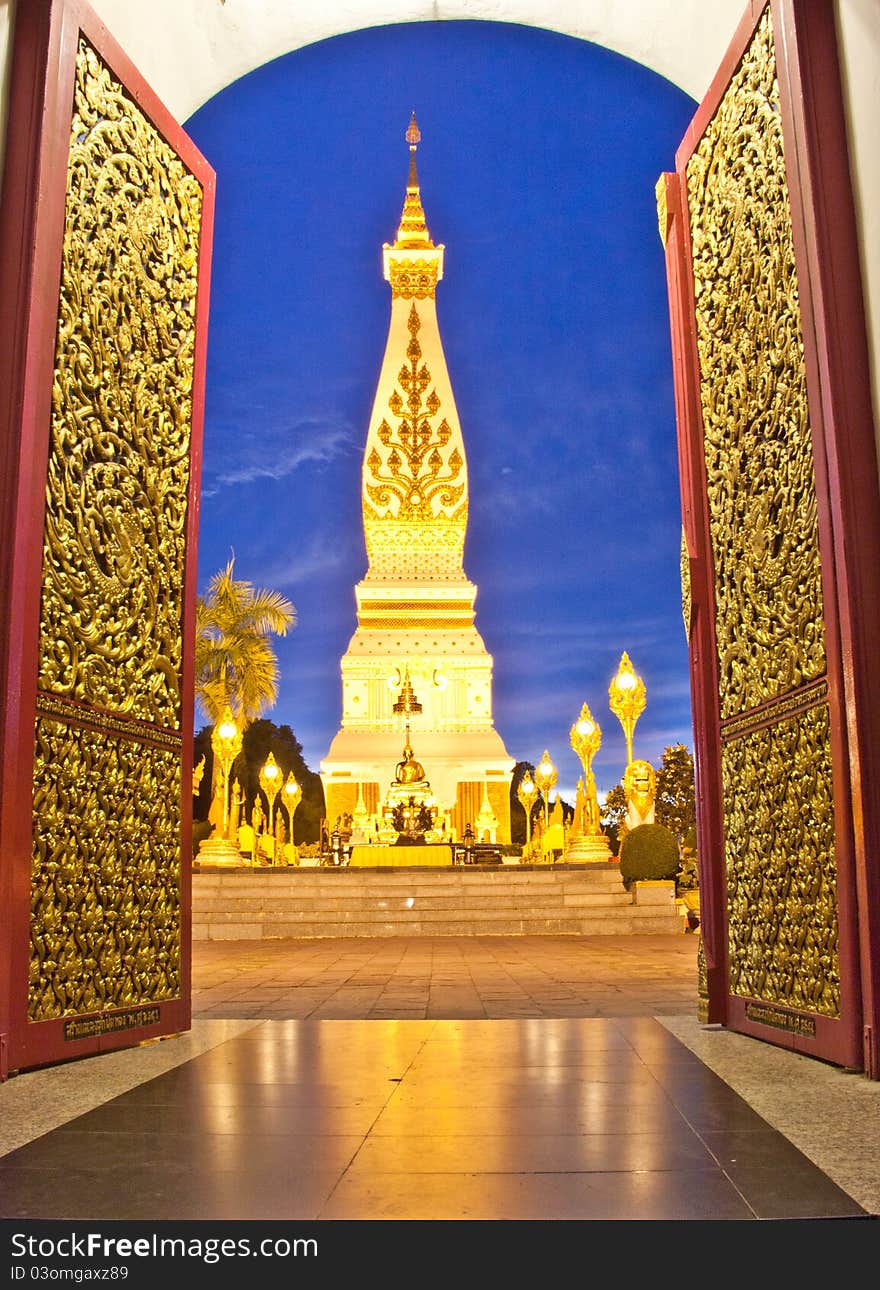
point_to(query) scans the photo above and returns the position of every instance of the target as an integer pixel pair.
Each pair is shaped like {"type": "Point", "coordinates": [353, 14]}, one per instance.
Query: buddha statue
{"type": "Point", "coordinates": [409, 809]}
{"type": "Point", "coordinates": [409, 771]}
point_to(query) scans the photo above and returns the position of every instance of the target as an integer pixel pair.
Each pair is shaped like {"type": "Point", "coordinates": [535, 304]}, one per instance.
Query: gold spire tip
{"type": "Point", "coordinates": [413, 231]}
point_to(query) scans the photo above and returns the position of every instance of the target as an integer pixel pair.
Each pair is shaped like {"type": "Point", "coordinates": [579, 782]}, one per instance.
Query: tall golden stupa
{"type": "Point", "coordinates": [415, 606]}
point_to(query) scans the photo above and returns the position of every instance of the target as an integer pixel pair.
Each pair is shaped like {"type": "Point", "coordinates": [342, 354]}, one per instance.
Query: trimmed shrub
{"type": "Point", "coordinates": [649, 853]}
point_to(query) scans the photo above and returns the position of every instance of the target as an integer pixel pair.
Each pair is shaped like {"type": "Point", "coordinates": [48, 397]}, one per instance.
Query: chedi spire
{"type": "Point", "coordinates": [413, 231]}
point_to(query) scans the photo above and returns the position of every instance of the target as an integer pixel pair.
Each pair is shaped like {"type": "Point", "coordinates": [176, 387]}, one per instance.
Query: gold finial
{"type": "Point", "coordinates": [413, 231]}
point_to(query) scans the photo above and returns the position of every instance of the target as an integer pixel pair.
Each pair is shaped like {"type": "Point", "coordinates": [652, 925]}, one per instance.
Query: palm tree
{"type": "Point", "coordinates": [234, 659]}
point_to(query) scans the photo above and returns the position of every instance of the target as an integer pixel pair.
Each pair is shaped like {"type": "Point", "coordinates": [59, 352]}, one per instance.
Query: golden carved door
{"type": "Point", "coordinates": [781, 517]}
{"type": "Point", "coordinates": [104, 261]}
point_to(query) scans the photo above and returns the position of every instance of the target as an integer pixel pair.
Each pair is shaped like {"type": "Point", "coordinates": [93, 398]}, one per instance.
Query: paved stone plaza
{"type": "Point", "coordinates": [447, 977]}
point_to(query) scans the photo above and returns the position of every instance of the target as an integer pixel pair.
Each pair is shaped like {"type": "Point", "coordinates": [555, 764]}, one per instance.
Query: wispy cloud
{"type": "Point", "coordinates": [273, 453]}
{"type": "Point", "coordinates": [309, 560]}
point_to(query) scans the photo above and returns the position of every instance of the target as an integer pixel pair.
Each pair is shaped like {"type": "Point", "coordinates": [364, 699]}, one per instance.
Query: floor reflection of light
{"type": "Point", "coordinates": [594, 1096]}
{"type": "Point", "coordinates": [220, 1118]}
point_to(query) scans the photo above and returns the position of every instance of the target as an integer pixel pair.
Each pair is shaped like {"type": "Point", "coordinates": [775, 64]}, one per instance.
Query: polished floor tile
{"type": "Point", "coordinates": [524, 1119]}
{"type": "Point", "coordinates": [151, 1192]}
{"type": "Point", "coordinates": [695, 1195]}
{"type": "Point", "coordinates": [532, 1153]}
{"type": "Point", "coordinates": [583, 1089]}
{"type": "Point", "coordinates": [400, 1121]}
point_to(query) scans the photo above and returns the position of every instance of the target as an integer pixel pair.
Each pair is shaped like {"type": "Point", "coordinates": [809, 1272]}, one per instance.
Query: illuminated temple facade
{"type": "Point", "coordinates": [415, 605]}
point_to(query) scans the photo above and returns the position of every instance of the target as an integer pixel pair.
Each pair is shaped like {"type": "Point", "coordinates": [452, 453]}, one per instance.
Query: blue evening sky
{"type": "Point", "coordinates": [538, 161]}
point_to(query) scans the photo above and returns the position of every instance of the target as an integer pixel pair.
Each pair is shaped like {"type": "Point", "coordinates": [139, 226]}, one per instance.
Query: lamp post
{"type": "Point", "coordinates": [526, 794]}
{"type": "Point", "coordinates": [292, 798]}
{"type": "Point", "coordinates": [226, 745]}
{"type": "Point", "coordinates": [270, 783]}
{"type": "Point", "coordinates": [546, 776]}
{"type": "Point", "coordinates": [586, 740]}
{"type": "Point", "coordinates": [626, 695]}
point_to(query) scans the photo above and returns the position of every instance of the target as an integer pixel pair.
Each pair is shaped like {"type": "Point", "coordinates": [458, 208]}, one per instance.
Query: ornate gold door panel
{"type": "Point", "coordinates": [781, 516]}
{"type": "Point", "coordinates": [104, 259]}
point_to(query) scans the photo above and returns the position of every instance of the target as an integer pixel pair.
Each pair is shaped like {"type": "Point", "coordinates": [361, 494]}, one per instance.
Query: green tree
{"type": "Point", "coordinates": [675, 803]}
{"type": "Point", "coordinates": [612, 814]}
{"type": "Point", "coordinates": [260, 738]}
{"type": "Point", "coordinates": [234, 659]}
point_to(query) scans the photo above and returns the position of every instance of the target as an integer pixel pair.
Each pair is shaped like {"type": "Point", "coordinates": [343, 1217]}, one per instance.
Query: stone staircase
{"type": "Point", "coordinates": [503, 900]}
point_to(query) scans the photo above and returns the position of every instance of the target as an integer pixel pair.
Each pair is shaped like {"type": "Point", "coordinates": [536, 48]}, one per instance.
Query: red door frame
{"type": "Point", "coordinates": [46, 37]}
{"type": "Point", "coordinates": [848, 495]}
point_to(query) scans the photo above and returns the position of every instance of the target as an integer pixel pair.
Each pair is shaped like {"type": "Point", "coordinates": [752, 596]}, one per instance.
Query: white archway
{"type": "Point", "coordinates": [189, 52]}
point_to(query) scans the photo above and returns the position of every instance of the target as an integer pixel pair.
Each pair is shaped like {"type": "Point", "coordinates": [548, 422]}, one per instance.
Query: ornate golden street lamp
{"type": "Point", "coordinates": [586, 740]}
{"type": "Point", "coordinates": [292, 798]}
{"type": "Point", "coordinates": [626, 695]}
{"type": "Point", "coordinates": [527, 793]}
{"type": "Point", "coordinates": [270, 783]}
{"type": "Point", "coordinates": [226, 745]}
{"type": "Point", "coordinates": [546, 776]}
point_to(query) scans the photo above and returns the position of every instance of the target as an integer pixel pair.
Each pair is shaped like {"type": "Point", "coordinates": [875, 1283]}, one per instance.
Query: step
{"type": "Point", "coordinates": [311, 903]}
{"type": "Point", "coordinates": [591, 926]}
{"type": "Point", "coordinates": [325, 904]}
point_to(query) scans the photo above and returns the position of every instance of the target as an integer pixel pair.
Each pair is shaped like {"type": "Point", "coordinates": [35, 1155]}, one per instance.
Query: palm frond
{"type": "Point", "coordinates": [234, 660]}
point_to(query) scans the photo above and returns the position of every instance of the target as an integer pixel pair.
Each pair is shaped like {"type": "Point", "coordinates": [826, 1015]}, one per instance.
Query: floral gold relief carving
{"type": "Point", "coordinates": [702, 984]}
{"type": "Point", "coordinates": [105, 927]}
{"type": "Point", "coordinates": [413, 278]}
{"type": "Point", "coordinates": [759, 461]}
{"type": "Point", "coordinates": [415, 490]}
{"type": "Point", "coordinates": [414, 477]}
{"type": "Point", "coordinates": [118, 471]}
{"type": "Point", "coordinates": [686, 595]}
{"type": "Point", "coordinates": [403, 623]}
{"type": "Point", "coordinates": [105, 886]}
{"type": "Point", "coordinates": [781, 874]}
{"type": "Point", "coordinates": [778, 812]}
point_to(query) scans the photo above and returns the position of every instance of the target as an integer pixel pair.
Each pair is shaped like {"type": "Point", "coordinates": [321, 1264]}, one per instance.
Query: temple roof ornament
{"type": "Point", "coordinates": [406, 701]}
